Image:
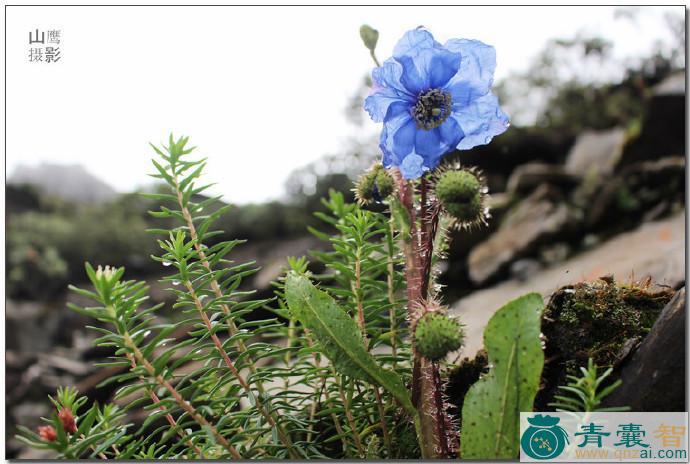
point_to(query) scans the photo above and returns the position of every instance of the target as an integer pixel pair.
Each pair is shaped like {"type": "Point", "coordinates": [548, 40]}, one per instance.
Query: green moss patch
{"type": "Point", "coordinates": [602, 320]}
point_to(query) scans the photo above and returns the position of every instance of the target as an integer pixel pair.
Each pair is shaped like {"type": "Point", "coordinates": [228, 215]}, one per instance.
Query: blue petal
{"type": "Point", "coordinates": [412, 166]}
{"type": "Point", "coordinates": [379, 104]}
{"type": "Point", "coordinates": [451, 135]}
{"type": "Point", "coordinates": [462, 67]}
{"type": "Point", "coordinates": [442, 66]}
{"type": "Point", "coordinates": [397, 138]}
{"type": "Point", "coordinates": [435, 143]}
{"type": "Point", "coordinates": [476, 73]}
{"type": "Point", "coordinates": [428, 69]}
{"type": "Point", "coordinates": [426, 63]}
{"type": "Point", "coordinates": [428, 142]}
{"type": "Point", "coordinates": [414, 79]}
{"type": "Point", "coordinates": [387, 160]}
{"type": "Point", "coordinates": [386, 90]}
{"type": "Point", "coordinates": [404, 138]}
{"type": "Point", "coordinates": [464, 92]}
{"type": "Point", "coordinates": [480, 121]}
{"type": "Point", "coordinates": [413, 41]}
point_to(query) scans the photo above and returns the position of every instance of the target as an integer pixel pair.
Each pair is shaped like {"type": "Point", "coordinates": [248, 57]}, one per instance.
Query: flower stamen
{"type": "Point", "coordinates": [432, 108]}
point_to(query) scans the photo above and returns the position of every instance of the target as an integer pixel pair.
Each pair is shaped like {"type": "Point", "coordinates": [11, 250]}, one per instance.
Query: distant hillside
{"type": "Point", "coordinates": [71, 182]}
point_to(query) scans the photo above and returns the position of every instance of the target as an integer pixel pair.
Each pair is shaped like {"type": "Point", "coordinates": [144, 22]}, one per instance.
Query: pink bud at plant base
{"type": "Point", "coordinates": [67, 419]}
{"type": "Point", "coordinates": [47, 432]}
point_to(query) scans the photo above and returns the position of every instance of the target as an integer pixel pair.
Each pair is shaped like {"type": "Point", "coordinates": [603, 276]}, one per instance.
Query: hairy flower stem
{"type": "Point", "coordinates": [426, 386]}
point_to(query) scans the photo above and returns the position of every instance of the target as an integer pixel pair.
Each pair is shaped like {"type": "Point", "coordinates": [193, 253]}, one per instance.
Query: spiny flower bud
{"type": "Point", "coordinates": [68, 422]}
{"type": "Point", "coordinates": [47, 432]}
{"type": "Point", "coordinates": [374, 185]}
{"type": "Point", "coordinates": [436, 335]}
{"type": "Point", "coordinates": [461, 193]}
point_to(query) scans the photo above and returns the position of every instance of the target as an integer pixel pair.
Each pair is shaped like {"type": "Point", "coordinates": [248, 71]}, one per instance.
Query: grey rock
{"type": "Point", "coordinates": [271, 257]}
{"type": "Point", "coordinates": [529, 176]}
{"type": "Point", "coordinates": [663, 129]}
{"type": "Point", "coordinates": [555, 253]}
{"type": "Point", "coordinates": [647, 183]}
{"type": "Point", "coordinates": [657, 366]}
{"type": "Point", "coordinates": [596, 152]}
{"type": "Point", "coordinates": [522, 269]}
{"type": "Point", "coordinates": [538, 217]}
{"type": "Point", "coordinates": [31, 412]}
{"type": "Point", "coordinates": [32, 327]}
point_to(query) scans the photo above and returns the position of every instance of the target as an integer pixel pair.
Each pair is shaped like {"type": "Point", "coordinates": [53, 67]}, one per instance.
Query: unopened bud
{"type": "Point", "coordinates": [370, 36]}
{"type": "Point", "coordinates": [105, 272]}
{"type": "Point", "coordinates": [68, 422]}
{"type": "Point", "coordinates": [374, 185]}
{"type": "Point", "coordinates": [47, 432]}
{"type": "Point", "coordinates": [436, 335]}
{"type": "Point", "coordinates": [461, 194]}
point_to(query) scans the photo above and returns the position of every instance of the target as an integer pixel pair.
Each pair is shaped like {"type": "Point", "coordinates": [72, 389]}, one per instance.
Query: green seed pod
{"type": "Point", "coordinates": [374, 185]}
{"type": "Point", "coordinates": [436, 335]}
{"type": "Point", "coordinates": [461, 194]}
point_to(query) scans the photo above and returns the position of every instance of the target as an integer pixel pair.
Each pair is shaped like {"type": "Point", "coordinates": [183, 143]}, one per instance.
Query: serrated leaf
{"type": "Point", "coordinates": [340, 337]}
{"type": "Point", "coordinates": [491, 410]}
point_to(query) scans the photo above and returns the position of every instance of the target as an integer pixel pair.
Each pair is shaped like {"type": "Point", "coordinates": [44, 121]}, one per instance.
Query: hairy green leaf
{"type": "Point", "coordinates": [491, 411]}
{"type": "Point", "coordinates": [340, 337]}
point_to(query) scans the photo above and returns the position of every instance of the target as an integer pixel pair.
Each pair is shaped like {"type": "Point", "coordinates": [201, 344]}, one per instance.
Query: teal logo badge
{"type": "Point", "coordinates": [543, 439]}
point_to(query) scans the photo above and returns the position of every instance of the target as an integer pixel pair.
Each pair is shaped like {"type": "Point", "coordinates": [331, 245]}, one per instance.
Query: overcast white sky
{"type": "Point", "coordinates": [260, 90]}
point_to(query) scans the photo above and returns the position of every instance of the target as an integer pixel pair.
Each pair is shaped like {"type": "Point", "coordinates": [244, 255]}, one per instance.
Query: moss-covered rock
{"type": "Point", "coordinates": [596, 319]}
{"type": "Point", "coordinates": [602, 320]}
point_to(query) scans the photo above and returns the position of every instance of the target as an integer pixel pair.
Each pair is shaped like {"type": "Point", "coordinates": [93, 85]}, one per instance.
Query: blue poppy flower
{"type": "Point", "coordinates": [434, 98]}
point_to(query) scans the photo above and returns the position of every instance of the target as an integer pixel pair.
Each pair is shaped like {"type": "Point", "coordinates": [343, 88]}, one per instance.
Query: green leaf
{"type": "Point", "coordinates": [340, 337]}
{"type": "Point", "coordinates": [491, 411]}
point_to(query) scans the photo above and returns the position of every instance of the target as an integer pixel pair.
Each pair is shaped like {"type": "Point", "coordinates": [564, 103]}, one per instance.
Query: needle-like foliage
{"type": "Point", "coordinates": [221, 374]}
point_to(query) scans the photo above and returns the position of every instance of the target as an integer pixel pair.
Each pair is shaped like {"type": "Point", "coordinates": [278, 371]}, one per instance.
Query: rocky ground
{"type": "Point", "coordinates": [656, 249]}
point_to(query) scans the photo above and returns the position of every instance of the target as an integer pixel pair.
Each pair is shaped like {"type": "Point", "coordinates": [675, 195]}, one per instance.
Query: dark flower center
{"type": "Point", "coordinates": [432, 108]}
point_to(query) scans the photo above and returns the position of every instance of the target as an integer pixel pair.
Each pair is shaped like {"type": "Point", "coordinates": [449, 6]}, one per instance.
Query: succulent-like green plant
{"type": "Point", "coordinates": [586, 392]}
